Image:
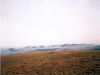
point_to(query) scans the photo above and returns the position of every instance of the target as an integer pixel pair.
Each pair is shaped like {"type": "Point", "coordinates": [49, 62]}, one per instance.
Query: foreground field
{"type": "Point", "coordinates": [52, 63]}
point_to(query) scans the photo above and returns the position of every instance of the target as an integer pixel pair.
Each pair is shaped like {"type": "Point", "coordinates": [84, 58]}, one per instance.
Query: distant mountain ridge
{"type": "Point", "coordinates": [51, 48]}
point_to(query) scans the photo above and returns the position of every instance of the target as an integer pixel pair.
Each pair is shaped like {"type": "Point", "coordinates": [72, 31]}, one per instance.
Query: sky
{"type": "Point", "coordinates": [46, 22]}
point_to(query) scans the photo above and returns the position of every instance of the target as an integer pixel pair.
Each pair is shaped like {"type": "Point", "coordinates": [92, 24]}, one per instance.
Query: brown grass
{"type": "Point", "coordinates": [52, 63]}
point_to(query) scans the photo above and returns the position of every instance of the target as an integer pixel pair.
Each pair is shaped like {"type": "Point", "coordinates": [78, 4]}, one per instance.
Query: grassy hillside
{"type": "Point", "coordinates": [52, 63]}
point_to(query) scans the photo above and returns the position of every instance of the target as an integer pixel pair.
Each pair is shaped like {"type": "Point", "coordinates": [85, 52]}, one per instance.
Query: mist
{"type": "Point", "coordinates": [45, 22]}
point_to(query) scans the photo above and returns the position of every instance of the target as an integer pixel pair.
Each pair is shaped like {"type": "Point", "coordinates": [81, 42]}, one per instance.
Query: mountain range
{"type": "Point", "coordinates": [51, 48]}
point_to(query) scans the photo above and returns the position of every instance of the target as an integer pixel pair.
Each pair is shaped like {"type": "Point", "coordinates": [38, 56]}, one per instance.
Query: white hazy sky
{"type": "Point", "coordinates": [45, 22]}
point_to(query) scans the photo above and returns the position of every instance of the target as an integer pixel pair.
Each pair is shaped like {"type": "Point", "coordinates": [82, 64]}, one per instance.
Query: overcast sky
{"type": "Point", "coordinates": [45, 22]}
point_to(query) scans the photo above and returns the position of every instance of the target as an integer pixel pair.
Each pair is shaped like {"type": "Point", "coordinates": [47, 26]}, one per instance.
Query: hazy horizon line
{"type": "Point", "coordinates": [48, 45]}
